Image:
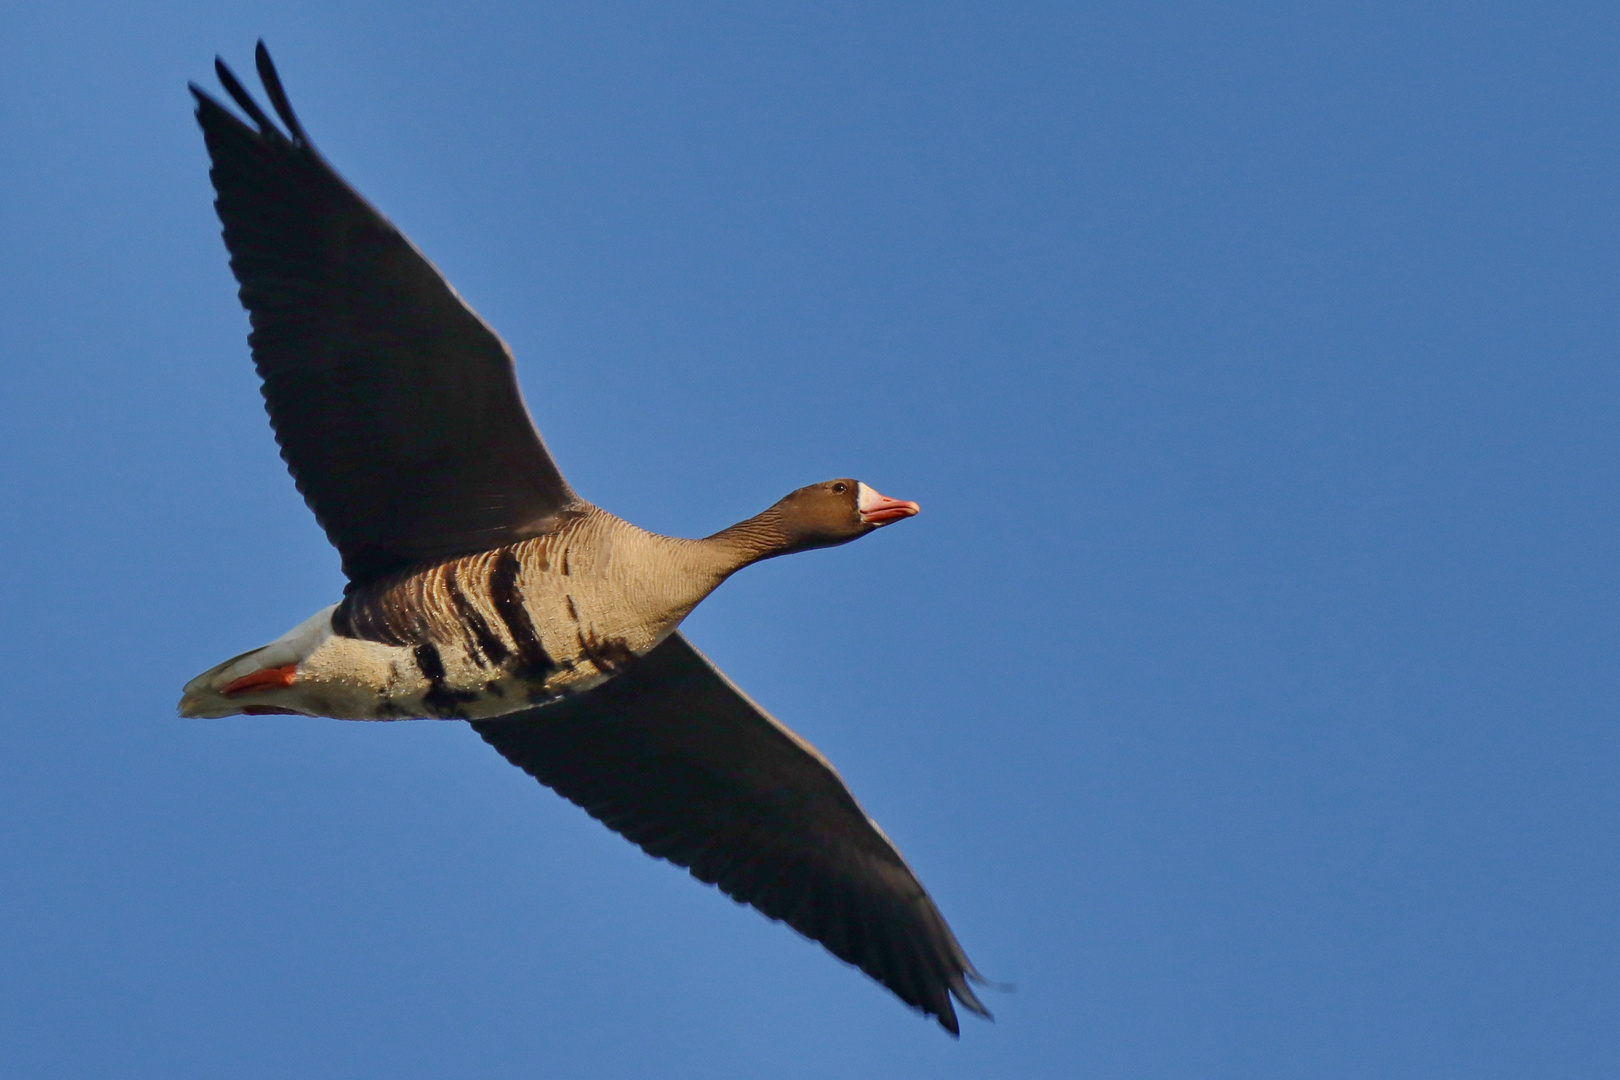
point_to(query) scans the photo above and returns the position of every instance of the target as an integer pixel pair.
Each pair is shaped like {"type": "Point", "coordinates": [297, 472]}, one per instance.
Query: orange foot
{"type": "Point", "coordinates": [274, 678]}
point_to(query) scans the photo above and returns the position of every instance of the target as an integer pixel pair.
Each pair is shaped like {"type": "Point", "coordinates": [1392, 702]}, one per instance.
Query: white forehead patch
{"type": "Point", "coordinates": [866, 497]}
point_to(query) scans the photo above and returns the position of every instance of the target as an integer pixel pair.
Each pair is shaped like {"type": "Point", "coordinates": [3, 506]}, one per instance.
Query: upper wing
{"type": "Point", "coordinates": [396, 406]}
{"type": "Point", "coordinates": [673, 756]}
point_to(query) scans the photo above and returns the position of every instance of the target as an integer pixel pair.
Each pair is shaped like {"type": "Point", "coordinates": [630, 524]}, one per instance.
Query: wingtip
{"type": "Point", "coordinates": [970, 1001]}
{"type": "Point", "coordinates": [244, 100]}
{"type": "Point", "coordinates": [278, 95]}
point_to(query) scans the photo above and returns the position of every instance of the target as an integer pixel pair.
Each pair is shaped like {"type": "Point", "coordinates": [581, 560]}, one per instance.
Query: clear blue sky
{"type": "Point", "coordinates": [1246, 691]}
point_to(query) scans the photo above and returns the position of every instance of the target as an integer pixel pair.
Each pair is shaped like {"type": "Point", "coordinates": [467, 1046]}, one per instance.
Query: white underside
{"type": "Point", "coordinates": [340, 677]}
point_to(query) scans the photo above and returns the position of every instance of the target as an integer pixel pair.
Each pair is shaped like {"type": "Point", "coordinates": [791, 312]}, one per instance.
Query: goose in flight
{"type": "Point", "coordinates": [482, 588]}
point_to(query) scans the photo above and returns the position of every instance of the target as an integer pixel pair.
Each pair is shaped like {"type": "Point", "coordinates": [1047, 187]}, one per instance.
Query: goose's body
{"type": "Point", "coordinates": [479, 635]}
{"type": "Point", "coordinates": [482, 588]}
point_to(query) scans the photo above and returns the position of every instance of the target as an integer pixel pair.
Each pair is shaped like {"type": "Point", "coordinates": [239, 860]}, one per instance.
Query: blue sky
{"type": "Point", "coordinates": [1245, 692]}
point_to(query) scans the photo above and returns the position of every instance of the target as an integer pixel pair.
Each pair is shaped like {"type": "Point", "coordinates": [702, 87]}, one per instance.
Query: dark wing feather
{"type": "Point", "coordinates": [677, 759]}
{"type": "Point", "coordinates": [396, 406]}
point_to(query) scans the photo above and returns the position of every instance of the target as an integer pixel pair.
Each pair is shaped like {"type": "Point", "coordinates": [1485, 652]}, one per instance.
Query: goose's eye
{"type": "Point", "coordinates": [840, 488]}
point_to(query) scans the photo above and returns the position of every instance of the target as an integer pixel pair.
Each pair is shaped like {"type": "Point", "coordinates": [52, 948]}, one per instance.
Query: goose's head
{"type": "Point", "coordinates": [835, 512]}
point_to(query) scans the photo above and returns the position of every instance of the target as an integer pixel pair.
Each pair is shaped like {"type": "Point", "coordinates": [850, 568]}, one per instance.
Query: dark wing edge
{"type": "Point", "coordinates": [678, 760]}
{"type": "Point", "coordinates": [396, 407]}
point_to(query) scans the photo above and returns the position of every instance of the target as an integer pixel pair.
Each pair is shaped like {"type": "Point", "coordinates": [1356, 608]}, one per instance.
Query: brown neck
{"type": "Point", "coordinates": [762, 536]}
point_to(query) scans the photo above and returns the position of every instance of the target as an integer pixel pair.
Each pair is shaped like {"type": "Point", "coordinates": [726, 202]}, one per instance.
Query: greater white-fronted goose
{"type": "Point", "coordinates": [482, 588]}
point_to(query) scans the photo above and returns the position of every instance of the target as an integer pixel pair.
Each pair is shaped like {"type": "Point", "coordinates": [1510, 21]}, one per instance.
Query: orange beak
{"type": "Point", "coordinates": [881, 510]}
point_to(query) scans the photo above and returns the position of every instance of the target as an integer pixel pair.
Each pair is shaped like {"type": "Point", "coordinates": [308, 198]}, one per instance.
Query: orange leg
{"type": "Point", "coordinates": [274, 678]}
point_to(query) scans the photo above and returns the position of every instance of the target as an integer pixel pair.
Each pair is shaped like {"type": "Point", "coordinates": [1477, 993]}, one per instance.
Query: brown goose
{"type": "Point", "coordinates": [482, 588]}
